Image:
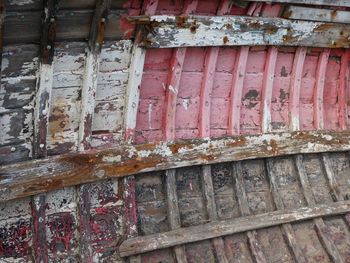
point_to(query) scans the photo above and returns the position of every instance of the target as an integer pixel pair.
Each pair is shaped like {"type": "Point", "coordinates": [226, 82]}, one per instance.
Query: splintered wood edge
{"type": "Point", "coordinates": [38, 176]}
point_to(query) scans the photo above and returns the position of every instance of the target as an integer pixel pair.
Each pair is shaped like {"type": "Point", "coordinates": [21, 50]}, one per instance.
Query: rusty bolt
{"type": "Point", "coordinates": [48, 47]}
{"type": "Point", "coordinates": [103, 19]}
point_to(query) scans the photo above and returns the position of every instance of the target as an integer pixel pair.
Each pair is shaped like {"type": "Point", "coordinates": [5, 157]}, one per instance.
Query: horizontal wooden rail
{"type": "Point", "coordinates": [188, 31]}
{"type": "Point", "coordinates": [309, 2]}
{"type": "Point", "coordinates": [33, 177]}
{"type": "Point", "coordinates": [228, 227]}
{"type": "Point", "coordinates": [316, 14]}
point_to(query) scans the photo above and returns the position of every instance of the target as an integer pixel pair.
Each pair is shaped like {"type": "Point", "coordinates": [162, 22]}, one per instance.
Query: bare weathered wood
{"type": "Point", "coordinates": [173, 31]}
{"type": "Point", "coordinates": [45, 79]}
{"type": "Point", "coordinates": [97, 34]}
{"type": "Point", "coordinates": [309, 2]}
{"type": "Point", "coordinates": [332, 181]}
{"type": "Point", "coordinates": [229, 227]}
{"type": "Point", "coordinates": [2, 18]}
{"type": "Point", "coordinates": [33, 177]}
{"type": "Point", "coordinates": [241, 194]}
{"type": "Point", "coordinates": [288, 231]}
{"type": "Point", "coordinates": [316, 14]}
{"type": "Point", "coordinates": [310, 200]}
{"type": "Point", "coordinates": [208, 192]}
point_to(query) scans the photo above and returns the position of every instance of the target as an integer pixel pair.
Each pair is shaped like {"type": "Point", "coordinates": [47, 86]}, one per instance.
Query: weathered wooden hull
{"type": "Point", "coordinates": [175, 147]}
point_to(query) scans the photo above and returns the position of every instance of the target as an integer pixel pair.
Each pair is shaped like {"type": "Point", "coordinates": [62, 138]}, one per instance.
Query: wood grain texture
{"type": "Point", "coordinates": [222, 228]}
{"type": "Point", "coordinates": [310, 2]}
{"type": "Point", "coordinates": [238, 30]}
{"type": "Point", "coordinates": [33, 177]}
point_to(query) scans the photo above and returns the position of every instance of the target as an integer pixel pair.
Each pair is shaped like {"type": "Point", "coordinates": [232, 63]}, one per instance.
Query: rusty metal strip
{"type": "Point", "coordinates": [329, 246]}
{"type": "Point", "coordinates": [34, 177]}
{"type": "Point", "coordinates": [295, 85]}
{"type": "Point", "coordinates": [241, 195]}
{"type": "Point", "coordinates": [344, 3]}
{"type": "Point", "coordinates": [288, 231]}
{"type": "Point", "coordinates": [187, 31]}
{"type": "Point", "coordinates": [228, 227]}
{"type": "Point", "coordinates": [319, 89]}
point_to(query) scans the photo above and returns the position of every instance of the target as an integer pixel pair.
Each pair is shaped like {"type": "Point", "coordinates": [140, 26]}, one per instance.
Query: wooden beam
{"type": "Point", "coordinates": [97, 30]}
{"type": "Point", "coordinates": [33, 177]}
{"type": "Point", "coordinates": [2, 19]}
{"type": "Point", "coordinates": [44, 79]}
{"type": "Point", "coordinates": [229, 227]}
{"type": "Point", "coordinates": [242, 199]}
{"type": "Point", "coordinates": [321, 227]}
{"type": "Point", "coordinates": [343, 90]}
{"type": "Point", "coordinates": [188, 31]}
{"type": "Point", "coordinates": [295, 86]}
{"type": "Point", "coordinates": [269, 77]}
{"type": "Point", "coordinates": [316, 14]}
{"type": "Point", "coordinates": [344, 3]}
{"type": "Point", "coordinates": [319, 89]}
{"type": "Point", "coordinates": [287, 229]}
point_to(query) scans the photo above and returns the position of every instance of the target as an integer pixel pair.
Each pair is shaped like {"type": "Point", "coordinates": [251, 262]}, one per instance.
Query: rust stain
{"type": "Point", "coordinates": [181, 21]}
{"type": "Point", "coordinates": [225, 40]}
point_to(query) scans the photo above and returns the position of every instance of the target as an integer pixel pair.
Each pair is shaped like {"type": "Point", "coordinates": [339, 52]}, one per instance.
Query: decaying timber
{"type": "Point", "coordinates": [203, 131]}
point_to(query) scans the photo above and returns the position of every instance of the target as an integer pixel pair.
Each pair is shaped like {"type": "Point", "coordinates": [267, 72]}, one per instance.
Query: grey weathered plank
{"type": "Point", "coordinates": [33, 177]}
{"type": "Point", "coordinates": [173, 31]}
{"type": "Point", "coordinates": [222, 228]}
{"type": "Point", "coordinates": [316, 14]}
{"type": "Point", "coordinates": [309, 2]}
{"type": "Point", "coordinates": [310, 200]}
{"type": "Point", "coordinates": [287, 229]}
{"type": "Point", "coordinates": [245, 211]}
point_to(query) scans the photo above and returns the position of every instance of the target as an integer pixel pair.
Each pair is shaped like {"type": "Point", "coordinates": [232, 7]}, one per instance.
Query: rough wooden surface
{"type": "Point", "coordinates": [238, 30]}
{"type": "Point", "coordinates": [212, 230]}
{"type": "Point", "coordinates": [73, 169]}
{"type": "Point", "coordinates": [310, 2]}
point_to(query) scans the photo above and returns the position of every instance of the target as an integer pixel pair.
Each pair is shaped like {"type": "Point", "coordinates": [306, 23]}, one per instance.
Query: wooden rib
{"type": "Point", "coordinates": [295, 85]}
{"type": "Point", "coordinates": [343, 90]}
{"type": "Point", "coordinates": [245, 211]}
{"type": "Point", "coordinates": [209, 195]}
{"type": "Point", "coordinates": [319, 90]}
{"type": "Point", "coordinates": [236, 91]}
{"type": "Point", "coordinates": [208, 80]}
{"type": "Point", "coordinates": [332, 181]}
{"type": "Point", "coordinates": [269, 75]}
{"type": "Point", "coordinates": [135, 77]}
{"type": "Point", "coordinates": [229, 227]}
{"type": "Point", "coordinates": [288, 231]}
{"type": "Point", "coordinates": [2, 19]}
{"type": "Point", "coordinates": [92, 63]}
{"type": "Point", "coordinates": [310, 2]}
{"type": "Point", "coordinates": [84, 223]}
{"type": "Point", "coordinates": [44, 80]}
{"type": "Point", "coordinates": [316, 14]}
{"type": "Point", "coordinates": [34, 177]}
{"type": "Point", "coordinates": [38, 207]}
{"type": "Point", "coordinates": [321, 228]}
{"type": "Point", "coordinates": [164, 32]}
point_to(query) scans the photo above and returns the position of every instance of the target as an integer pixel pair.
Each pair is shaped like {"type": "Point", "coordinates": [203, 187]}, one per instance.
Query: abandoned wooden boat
{"type": "Point", "coordinates": [175, 131]}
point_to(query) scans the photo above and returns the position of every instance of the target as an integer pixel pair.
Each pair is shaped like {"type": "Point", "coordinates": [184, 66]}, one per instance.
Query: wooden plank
{"type": "Point", "coordinates": [343, 89]}
{"type": "Point", "coordinates": [319, 89]}
{"type": "Point", "coordinates": [44, 80]}
{"type": "Point", "coordinates": [332, 181]}
{"type": "Point", "coordinates": [33, 177]}
{"type": "Point", "coordinates": [2, 19]}
{"type": "Point", "coordinates": [288, 231]}
{"type": "Point", "coordinates": [209, 196]}
{"type": "Point", "coordinates": [236, 91]}
{"type": "Point", "coordinates": [199, 31]}
{"type": "Point", "coordinates": [295, 85]}
{"type": "Point", "coordinates": [309, 2]}
{"type": "Point", "coordinates": [241, 195]}
{"type": "Point", "coordinates": [269, 76]}
{"type": "Point", "coordinates": [310, 200]}
{"type": "Point", "coordinates": [97, 33]}
{"type": "Point", "coordinates": [316, 14]}
{"type": "Point", "coordinates": [229, 227]}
